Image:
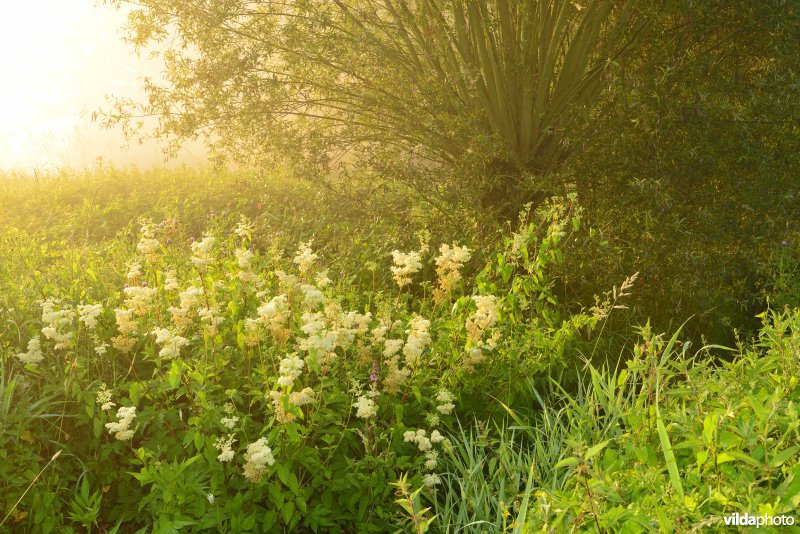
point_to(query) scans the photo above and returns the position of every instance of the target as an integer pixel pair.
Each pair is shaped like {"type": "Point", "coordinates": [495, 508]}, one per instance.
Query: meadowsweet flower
{"type": "Point", "coordinates": [437, 437]}
{"type": "Point", "coordinates": [55, 322]}
{"type": "Point", "coordinates": [121, 429]}
{"type": "Point", "coordinates": [431, 479]}
{"type": "Point", "coordinates": [252, 331]}
{"type": "Point", "coordinates": [312, 297]}
{"type": "Point", "coordinates": [101, 348]}
{"type": "Point", "coordinates": [201, 251]}
{"type": "Point", "coordinates": [123, 343]}
{"type": "Point", "coordinates": [483, 318]}
{"type": "Point", "coordinates": [301, 398]}
{"type": "Point", "coordinates": [431, 458]}
{"type": "Point", "coordinates": [365, 407]}
{"type": "Point", "coordinates": [245, 227]}
{"type": "Point", "coordinates": [231, 419]}
{"type": "Point", "coordinates": [88, 314]}
{"type": "Point", "coordinates": [288, 282]}
{"type": "Point", "coordinates": [405, 264]}
{"type": "Point", "coordinates": [281, 400]}
{"type": "Point", "coordinates": [139, 299]}
{"type": "Point", "coordinates": [258, 456]}
{"type": "Point", "coordinates": [148, 245]}
{"type": "Point", "coordinates": [433, 420]}
{"type": "Point", "coordinates": [392, 347]}
{"type": "Point", "coordinates": [290, 369]}
{"type": "Point", "coordinates": [224, 445]}
{"type": "Point", "coordinates": [170, 342]}
{"type": "Point", "coordinates": [448, 268]}
{"type": "Point", "coordinates": [126, 324]}
{"type": "Point", "coordinates": [305, 257]}
{"type": "Point", "coordinates": [273, 315]}
{"type": "Point", "coordinates": [378, 334]}
{"type": "Point", "coordinates": [320, 339]}
{"type": "Point", "coordinates": [322, 279]}
{"type": "Point", "coordinates": [229, 422]}
{"type": "Point", "coordinates": [244, 258]}
{"type": "Point", "coordinates": [418, 339]}
{"type": "Point", "coordinates": [420, 437]}
{"type": "Point", "coordinates": [34, 353]}
{"type": "Point", "coordinates": [395, 376]}
{"type": "Point", "coordinates": [190, 301]}
{"type": "Point", "coordinates": [103, 398]}
{"type": "Point", "coordinates": [171, 280]}
{"type": "Point", "coordinates": [134, 272]}
{"type": "Point", "coordinates": [445, 399]}
{"type": "Point", "coordinates": [210, 319]}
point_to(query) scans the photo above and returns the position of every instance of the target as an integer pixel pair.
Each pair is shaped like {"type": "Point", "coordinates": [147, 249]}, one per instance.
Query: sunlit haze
{"type": "Point", "coordinates": [60, 58]}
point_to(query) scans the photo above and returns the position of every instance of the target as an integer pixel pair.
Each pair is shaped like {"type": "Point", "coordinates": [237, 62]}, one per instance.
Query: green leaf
{"type": "Point", "coordinates": [666, 447]}
{"type": "Point", "coordinates": [742, 457]}
{"type": "Point", "coordinates": [725, 457]}
{"type": "Point", "coordinates": [572, 461]}
{"type": "Point", "coordinates": [175, 374]}
{"type": "Point", "coordinates": [199, 441]}
{"type": "Point", "coordinates": [135, 392]}
{"type": "Point", "coordinates": [779, 459]}
{"type": "Point", "coordinates": [595, 449]}
{"type": "Point", "coordinates": [287, 511]}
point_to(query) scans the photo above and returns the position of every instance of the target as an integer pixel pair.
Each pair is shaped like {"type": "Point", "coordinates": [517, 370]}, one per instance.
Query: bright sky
{"type": "Point", "coordinates": [58, 61]}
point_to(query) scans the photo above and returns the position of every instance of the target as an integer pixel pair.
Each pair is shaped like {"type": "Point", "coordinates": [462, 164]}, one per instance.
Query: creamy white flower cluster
{"type": "Point", "coordinates": [187, 311]}
{"type": "Point", "coordinates": [225, 446]}
{"type": "Point", "coordinates": [148, 245]}
{"type": "Point", "coordinates": [245, 228]}
{"type": "Point", "coordinates": [418, 339]}
{"type": "Point", "coordinates": [230, 419]}
{"type": "Point", "coordinates": [244, 259]}
{"type": "Point", "coordinates": [291, 367]}
{"type": "Point", "coordinates": [305, 258]}
{"type": "Point", "coordinates": [425, 444]}
{"type": "Point", "coordinates": [103, 398]}
{"type": "Point", "coordinates": [89, 313]}
{"type": "Point", "coordinates": [121, 429]}
{"type": "Point", "coordinates": [365, 406]}
{"type": "Point", "coordinates": [445, 400]}
{"type": "Point", "coordinates": [448, 268]}
{"type": "Point", "coordinates": [478, 323]}
{"type": "Point", "coordinates": [56, 322]}
{"type": "Point", "coordinates": [202, 251]}
{"type": "Point", "coordinates": [170, 342]}
{"type": "Point", "coordinates": [257, 458]}
{"type": "Point", "coordinates": [405, 264]}
{"type": "Point", "coordinates": [34, 353]}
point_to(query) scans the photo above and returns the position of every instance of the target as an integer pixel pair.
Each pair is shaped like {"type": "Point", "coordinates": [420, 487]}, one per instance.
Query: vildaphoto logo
{"type": "Point", "coordinates": [758, 521]}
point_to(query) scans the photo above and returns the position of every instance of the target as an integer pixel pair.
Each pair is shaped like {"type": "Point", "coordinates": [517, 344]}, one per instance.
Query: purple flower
{"type": "Point", "coordinates": [374, 376]}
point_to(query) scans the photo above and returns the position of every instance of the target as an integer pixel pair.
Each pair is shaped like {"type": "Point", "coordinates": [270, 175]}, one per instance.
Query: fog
{"type": "Point", "coordinates": [59, 60]}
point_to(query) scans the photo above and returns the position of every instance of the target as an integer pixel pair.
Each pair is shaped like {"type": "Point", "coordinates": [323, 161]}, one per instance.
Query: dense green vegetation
{"type": "Point", "coordinates": [488, 266]}
{"type": "Point", "coordinates": [168, 364]}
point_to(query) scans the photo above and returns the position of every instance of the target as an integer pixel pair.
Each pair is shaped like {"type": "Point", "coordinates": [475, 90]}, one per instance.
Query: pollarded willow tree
{"type": "Point", "coordinates": [485, 90]}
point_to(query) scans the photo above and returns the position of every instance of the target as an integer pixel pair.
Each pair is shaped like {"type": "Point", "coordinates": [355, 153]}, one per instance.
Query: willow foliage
{"type": "Point", "coordinates": [431, 83]}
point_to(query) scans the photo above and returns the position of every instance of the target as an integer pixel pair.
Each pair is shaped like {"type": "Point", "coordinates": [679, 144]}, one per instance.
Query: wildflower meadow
{"type": "Point", "coordinates": [158, 378]}
{"type": "Point", "coordinates": [400, 266]}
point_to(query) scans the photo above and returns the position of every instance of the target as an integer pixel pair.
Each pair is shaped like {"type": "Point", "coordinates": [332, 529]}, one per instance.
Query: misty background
{"type": "Point", "coordinates": [60, 59]}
